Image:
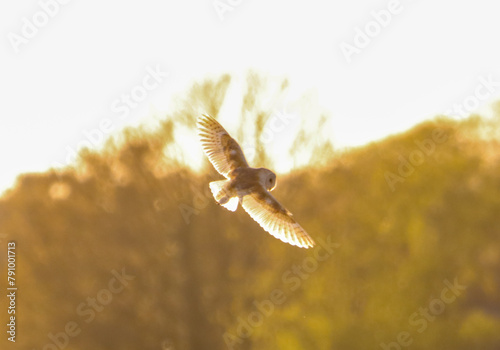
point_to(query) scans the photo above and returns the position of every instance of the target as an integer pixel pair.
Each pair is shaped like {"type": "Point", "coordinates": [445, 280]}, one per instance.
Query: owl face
{"type": "Point", "coordinates": [267, 179]}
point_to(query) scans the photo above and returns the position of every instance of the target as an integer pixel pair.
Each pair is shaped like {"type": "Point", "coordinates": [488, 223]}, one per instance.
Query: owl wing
{"type": "Point", "coordinates": [221, 149]}
{"type": "Point", "coordinates": [275, 219]}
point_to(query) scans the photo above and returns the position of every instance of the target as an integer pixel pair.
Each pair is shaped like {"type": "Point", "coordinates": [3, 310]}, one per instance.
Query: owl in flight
{"type": "Point", "coordinates": [248, 186]}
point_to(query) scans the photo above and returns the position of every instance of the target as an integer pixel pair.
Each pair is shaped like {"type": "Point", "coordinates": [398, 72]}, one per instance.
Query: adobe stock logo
{"type": "Point", "coordinates": [425, 315]}
{"type": "Point", "coordinates": [424, 148]}
{"type": "Point", "coordinates": [31, 26]}
{"type": "Point", "coordinates": [293, 279]}
{"type": "Point", "coordinates": [89, 309]}
{"type": "Point", "coordinates": [122, 107]}
{"type": "Point", "coordinates": [278, 123]}
{"type": "Point", "coordinates": [485, 89]}
{"type": "Point", "coordinates": [363, 36]}
{"type": "Point", "coordinates": [223, 6]}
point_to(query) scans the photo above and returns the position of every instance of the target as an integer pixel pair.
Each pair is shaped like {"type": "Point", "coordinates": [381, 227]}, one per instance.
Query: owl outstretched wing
{"type": "Point", "coordinates": [221, 149]}
{"type": "Point", "coordinates": [275, 219]}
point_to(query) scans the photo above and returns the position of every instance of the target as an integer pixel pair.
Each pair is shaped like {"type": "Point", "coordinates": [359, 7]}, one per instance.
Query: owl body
{"type": "Point", "coordinates": [245, 179]}
{"type": "Point", "coordinates": [242, 181]}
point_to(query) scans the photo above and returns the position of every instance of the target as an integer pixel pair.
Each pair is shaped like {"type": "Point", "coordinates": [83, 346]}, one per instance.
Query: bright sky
{"type": "Point", "coordinates": [66, 64]}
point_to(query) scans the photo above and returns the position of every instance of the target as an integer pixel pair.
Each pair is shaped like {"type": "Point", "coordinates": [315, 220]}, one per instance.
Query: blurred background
{"type": "Point", "coordinates": [398, 222]}
{"type": "Point", "coordinates": [381, 120]}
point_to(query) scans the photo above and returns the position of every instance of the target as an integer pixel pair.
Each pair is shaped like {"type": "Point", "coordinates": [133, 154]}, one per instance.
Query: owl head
{"type": "Point", "coordinates": [267, 179]}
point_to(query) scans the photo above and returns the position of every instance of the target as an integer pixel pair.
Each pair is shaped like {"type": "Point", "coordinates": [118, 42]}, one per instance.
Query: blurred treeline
{"type": "Point", "coordinates": [199, 269]}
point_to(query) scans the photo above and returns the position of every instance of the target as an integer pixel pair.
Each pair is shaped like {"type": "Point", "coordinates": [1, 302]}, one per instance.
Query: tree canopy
{"type": "Point", "coordinates": [130, 246]}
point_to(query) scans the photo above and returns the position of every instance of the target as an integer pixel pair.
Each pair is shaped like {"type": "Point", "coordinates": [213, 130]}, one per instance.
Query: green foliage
{"type": "Point", "coordinates": [200, 272]}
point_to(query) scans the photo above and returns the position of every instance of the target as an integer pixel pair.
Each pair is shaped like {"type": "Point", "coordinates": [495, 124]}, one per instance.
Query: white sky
{"type": "Point", "coordinates": [65, 78]}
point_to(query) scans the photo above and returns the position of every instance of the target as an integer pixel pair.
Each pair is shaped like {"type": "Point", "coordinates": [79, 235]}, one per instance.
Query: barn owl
{"type": "Point", "coordinates": [247, 186]}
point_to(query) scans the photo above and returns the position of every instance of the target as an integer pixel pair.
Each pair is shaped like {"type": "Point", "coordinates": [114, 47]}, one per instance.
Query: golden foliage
{"type": "Point", "coordinates": [396, 218]}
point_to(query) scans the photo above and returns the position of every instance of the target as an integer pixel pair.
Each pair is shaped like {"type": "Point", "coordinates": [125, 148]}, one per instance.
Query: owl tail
{"type": "Point", "coordinates": [221, 195]}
